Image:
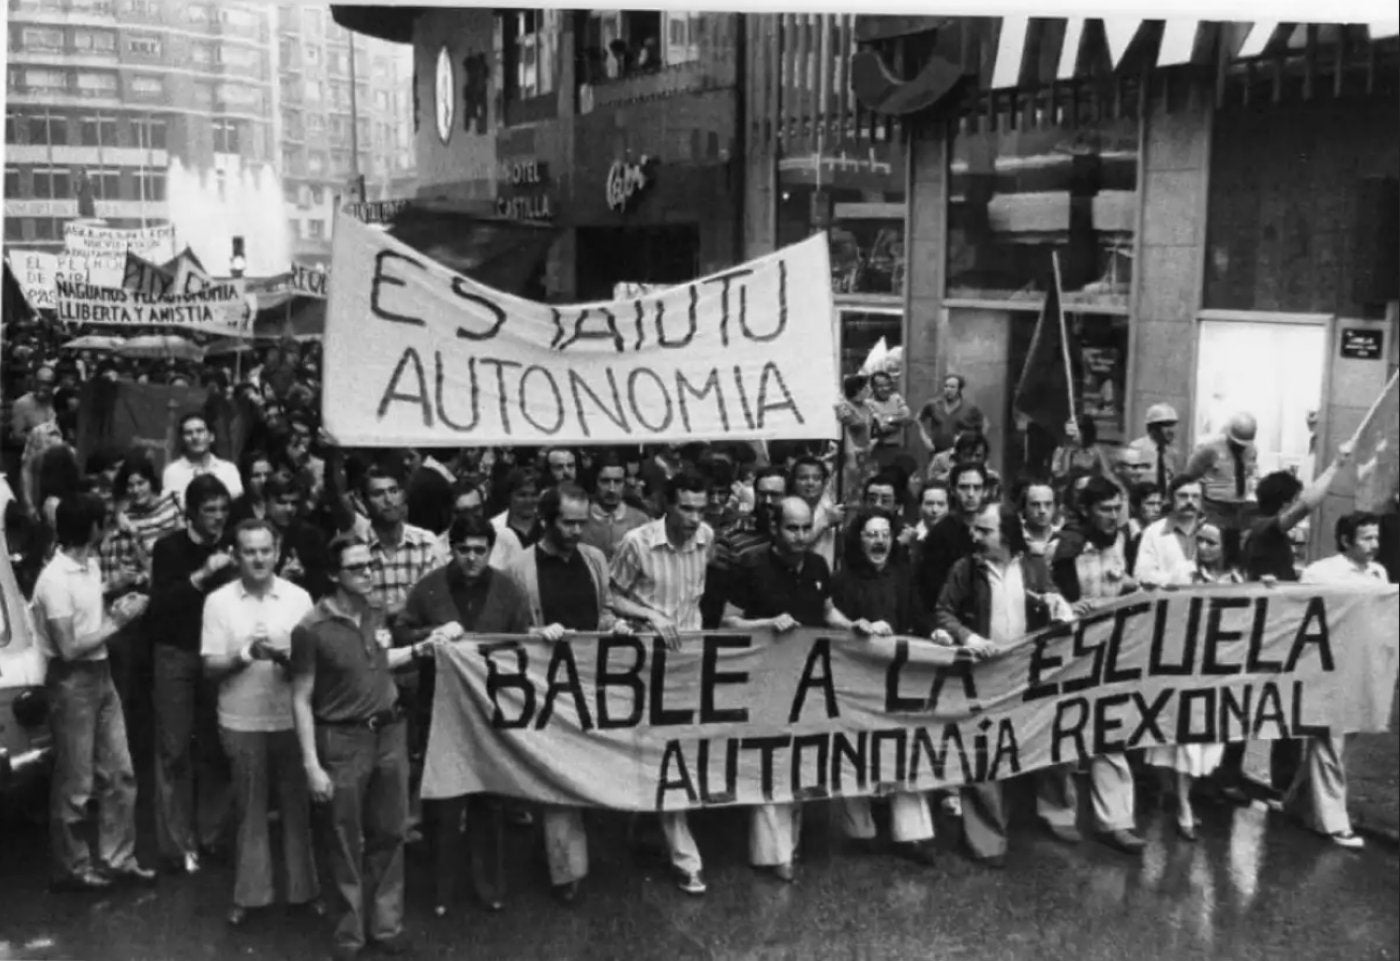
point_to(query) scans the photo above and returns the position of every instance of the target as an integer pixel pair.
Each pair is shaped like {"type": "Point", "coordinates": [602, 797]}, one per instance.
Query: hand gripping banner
{"type": "Point", "coordinates": [417, 355]}
{"type": "Point", "coordinates": [620, 722]}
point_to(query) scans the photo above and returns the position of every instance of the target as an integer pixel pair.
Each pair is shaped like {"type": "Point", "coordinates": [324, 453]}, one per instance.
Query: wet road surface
{"type": "Point", "coordinates": [1255, 886]}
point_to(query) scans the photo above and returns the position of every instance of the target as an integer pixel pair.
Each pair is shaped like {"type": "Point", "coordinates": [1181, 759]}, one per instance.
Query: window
{"type": "Point", "coordinates": [1010, 197]}
{"type": "Point", "coordinates": [151, 88]}
{"type": "Point", "coordinates": [98, 131]}
{"type": "Point", "coordinates": [91, 6]}
{"type": "Point", "coordinates": [240, 95]}
{"type": "Point", "coordinates": [204, 95]}
{"type": "Point", "coordinates": [46, 81]}
{"type": "Point", "coordinates": [236, 56]}
{"type": "Point", "coordinates": [340, 94]}
{"type": "Point", "coordinates": [142, 8]}
{"type": "Point", "coordinates": [289, 192]}
{"type": "Point", "coordinates": [530, 44]}
{"type": "Point", "coordinates": [202, 53]}
{"type": "Point", "coordinates": [337, 63]}
{"type": "Point", "coordinates": [312, 54]}
{"type": "Point", "coordinates": [292, 125]}
{"type": "Point", "coordinates": [46, 228]}
{"type": "Point", "coordinates": [11, 128]}
{"type": "Point", "coordinates": [221, 184]}
{"type": "Point", "coordinates": [313, 92]}
{"type": "Point", "coordinates": [225, 136]}
{"type": "Point", "coordinates": [11, 181]}
{"type": "Point", "coordinates": [622, 43]}
{"type": "Point", "coordinates": [340, 130]}
{"type": "Point", "coordinates": [14, 228]}
{"type": "Point", "coordinates": [362, 132]}
{"type": "Point", "coordinates": [48, 130]}
{"type": "Point", "coordinates": [94, 41]}
{"type": "Point", "coordinates": [291, 162]}
{"type": "Point", "coordinates": [41, 38]}
{"type": "Point", "coordinates": [313, 22]}
{"type": "Point", "coordinates": [106, 183]}
{"type": "Point", "coordinates": [340, 162]}
{"type": "Point", "coordinates": [238, 17]}
{"type": "Point", "coordinates": [148, 133]}
{"type": "Point", "coordinates": [381, 100]}
{"type": "Point", "coordinates": [682, 30]}
{"type": "Point", "coordinates": [143, 46]}
{"type": "Point", "coordinates": [151, 184]}
{"type": "Point", "coordinates": [316, 229]}
{"type": "Point", "coordinates": [97, 84]}
{"type": "Point", "coordinates": [54, 183]}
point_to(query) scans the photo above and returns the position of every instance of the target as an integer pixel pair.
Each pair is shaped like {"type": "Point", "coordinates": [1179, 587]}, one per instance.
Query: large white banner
{"type": "Point", "coordinates": [94, 240]}
{"type": "Point", "coordinates": [417, 355]}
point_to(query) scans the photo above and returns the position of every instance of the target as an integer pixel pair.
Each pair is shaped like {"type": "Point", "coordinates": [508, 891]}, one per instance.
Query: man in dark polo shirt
{"type": "Point", "coordinates": [950, 540]}
{"type": "Point", "coordinates": [355, 751]}
{"type": "Point", "coordinates": [784, 587]}
{"type": "Point", "coordinates": [565, 583]}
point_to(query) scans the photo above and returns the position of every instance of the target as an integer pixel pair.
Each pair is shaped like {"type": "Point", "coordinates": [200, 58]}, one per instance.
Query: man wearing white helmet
{"type": "Point", "coordinates": [1160, 457]}
{"type": "Point", "coordinates": [1227, 467]}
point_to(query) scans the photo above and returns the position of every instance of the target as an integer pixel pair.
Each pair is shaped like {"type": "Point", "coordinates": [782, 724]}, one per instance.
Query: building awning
{"type": "Point", "coordinates": [394, 24]}
{"type": "Point", "coordinates": [1008, 53]}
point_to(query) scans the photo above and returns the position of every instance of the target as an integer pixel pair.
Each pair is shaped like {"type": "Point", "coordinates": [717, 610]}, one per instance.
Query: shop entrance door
{"type": "Point", "coordinates": [1272, 369]}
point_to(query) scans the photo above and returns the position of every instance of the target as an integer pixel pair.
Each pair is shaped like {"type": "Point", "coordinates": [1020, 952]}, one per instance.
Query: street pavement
{"type": "Point", "coordinates": [1255, 886]}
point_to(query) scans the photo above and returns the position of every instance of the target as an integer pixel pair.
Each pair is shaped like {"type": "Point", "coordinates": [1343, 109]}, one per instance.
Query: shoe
{"type": "Point", "coordinates": [132, 872]}
{"type": "Point", "coordinates": [315, 907]}
{"type": "Point", "coordinates": [691, 882]}
{"type": "Point", "coordinates": [1187, 831]}
{"type": "Point", "coordinates": [1066, 833]}
{"type": "Point", "coordinates": [997, 862]}
{"type": "Point", "coordinates": [84, 882]}
{"type": "Point", "coordinates": [785, 872]}
{"type": "Point", "coordinates": [566, 893]}
{"type": "Point", "coordinates": [399, 946]}
{"type": "Point", "coordinates": [1348, 839]}
{"type": "Point", "coordinates": [920, 852]}
{"type": "Point", "coordinates": [236, 916]}
{"type": "Point", "coordinates": [1124, 841]}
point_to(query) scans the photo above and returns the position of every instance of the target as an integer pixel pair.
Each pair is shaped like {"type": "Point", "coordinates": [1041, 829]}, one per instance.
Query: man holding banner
{"type": "Point", "coordinates": [784, 587]}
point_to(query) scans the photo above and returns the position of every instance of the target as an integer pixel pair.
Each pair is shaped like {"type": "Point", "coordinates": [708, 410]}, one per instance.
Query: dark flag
{"type": "Point", "coordinates": [501, 253]}
{"type": "Point", "coordinates": [1045, 392]}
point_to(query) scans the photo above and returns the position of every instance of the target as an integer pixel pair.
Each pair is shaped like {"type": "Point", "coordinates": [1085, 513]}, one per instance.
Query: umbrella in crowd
{"type": "Point", "coordinates": [161, 345]}
{"type": "Point", "coordinates": [94, 342]}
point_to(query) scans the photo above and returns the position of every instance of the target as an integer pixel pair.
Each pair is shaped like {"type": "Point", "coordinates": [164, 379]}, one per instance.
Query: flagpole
{"type": "Point", "coordinates": [1064, 335]}
{"type": "Point", "coordinates": [1375, 406]}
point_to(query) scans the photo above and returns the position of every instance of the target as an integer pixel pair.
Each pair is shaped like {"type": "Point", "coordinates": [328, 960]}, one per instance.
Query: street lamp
{"type": "Point", "coordinates": [238, 263]}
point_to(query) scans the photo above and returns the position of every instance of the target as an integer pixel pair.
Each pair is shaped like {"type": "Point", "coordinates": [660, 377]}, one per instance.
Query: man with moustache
{"type": "Point", "coordinates": [784, 587]}
{"type": "Point", "coordinates": [566, 587]}
{"type": "Point", "coordinates": [992, 598]}
{"type": "Point", "coordinates": [1170, 542]}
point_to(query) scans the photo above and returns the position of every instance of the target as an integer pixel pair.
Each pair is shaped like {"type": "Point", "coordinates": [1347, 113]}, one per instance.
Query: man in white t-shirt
{"type": "Point", "coordinates": [197, 457]}
{"type": "Point", "coordinates": [91, 759]}
{"type": "Point", "coordinates": [1318, 795]}
{"type": "Point", "coordinates": [246, 645]}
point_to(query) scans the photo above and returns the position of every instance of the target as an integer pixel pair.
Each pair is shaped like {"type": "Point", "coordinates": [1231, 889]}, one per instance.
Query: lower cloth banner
{"type": "Point", "coordinates": [750, 718]}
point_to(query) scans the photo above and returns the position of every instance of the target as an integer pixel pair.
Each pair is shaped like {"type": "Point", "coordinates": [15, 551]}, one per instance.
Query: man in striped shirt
{"type": "Point", "coordinates": [658, 578]}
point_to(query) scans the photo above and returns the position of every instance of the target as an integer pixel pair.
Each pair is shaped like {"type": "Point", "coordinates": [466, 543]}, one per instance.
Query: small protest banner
{"type": "Point", "coordinates": [219, 308]}
{"type": "Point", "coordinates": [622, 722]}
{"type": "Point", "coordinates": [97, 240]}
{"type": "Point", "coordinates": [417, 355]}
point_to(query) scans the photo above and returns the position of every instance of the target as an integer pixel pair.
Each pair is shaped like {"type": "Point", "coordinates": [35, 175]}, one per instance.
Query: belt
{"type": "Point", "coordinates": [376, 721]}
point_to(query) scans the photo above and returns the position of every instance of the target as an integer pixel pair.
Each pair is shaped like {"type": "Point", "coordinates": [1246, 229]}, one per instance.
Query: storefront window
{"type": "Point", "coordinates": [1016, 195]}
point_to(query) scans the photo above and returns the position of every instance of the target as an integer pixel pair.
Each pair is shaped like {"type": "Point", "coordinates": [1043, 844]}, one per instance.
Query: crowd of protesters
{"type": "Point", "coordinates": [256, 619]}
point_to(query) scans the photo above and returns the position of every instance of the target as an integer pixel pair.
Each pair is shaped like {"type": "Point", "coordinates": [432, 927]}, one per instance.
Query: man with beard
{"type": "Point", "coordinates": [566, 587]}
{"type": "Point", "coordinates": [465, 596]}
{"type": "Point", "coordinates": [1170, 542]}
{"type": "Point", "coordinates": [994, 597]}
{"type": "Point", "coordinates": [609, 516]}
{"type": "Point", "coordinates": [950, 540]}
{"type": "Point", "coordinates": [192, 788]}
{"type": "Point", "coordinates": [875, 590]}
{"type": "Point", "coordinates": [1318, 796]}
{"type": "Point", "coordinates": [1090, 565]}
{"type": "Point", "coordinates": [560, 466]}
{"type": "Point", "coordinates": [784, 587]}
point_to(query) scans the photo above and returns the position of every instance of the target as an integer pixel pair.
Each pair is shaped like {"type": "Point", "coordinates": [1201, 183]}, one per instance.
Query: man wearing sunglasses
{"type": "Point", "coordinates": [465, 596]}
{"type": "Point", "coordinates": [354, 749]}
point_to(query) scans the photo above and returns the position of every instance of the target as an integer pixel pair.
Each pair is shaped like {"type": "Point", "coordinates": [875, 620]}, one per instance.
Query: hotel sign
{"type": "Point", "coordinates": [522, 189]}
